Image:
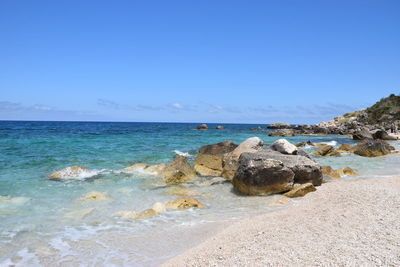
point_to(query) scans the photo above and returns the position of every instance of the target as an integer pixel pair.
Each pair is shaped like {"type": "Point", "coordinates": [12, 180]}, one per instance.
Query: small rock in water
{"type": "Point", "coordinates": [202, 127]}
{"type": "Point", "coordinates": [219, 127]}
{"type": "Point", "coordinates": [329, 171]}
{"type": "Point", "coordinates": [349, 171]}
{"type": "Point", "coordinates": [95, 196]}
{"type": "Point", "coordinates": [301, 190]}
{"type": "Point", "coordinates": [327, 151]}
{"type": "Point", "coordinates": [184, 203]}
{"type": "Point", "coordinates": [73, 172]}
{"type": "Point", "coordinates": [155, 169]}
{"type": "Point", "coordinates": [345, 148]}
{"type": "Point", "coordinates": [136, 167]}
{"type": "Point", "coordinates": [373, 148]}
{"type": "Point", "coordinates": [178, 171]}
{"type": "Point", "coordinates": [127, 214]}
{"type": "Point", "coordinates": [159, 207]}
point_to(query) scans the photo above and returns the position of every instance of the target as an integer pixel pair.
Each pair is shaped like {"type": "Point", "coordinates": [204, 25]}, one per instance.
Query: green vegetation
{"type": "Point", "coordinates": [385, 110]}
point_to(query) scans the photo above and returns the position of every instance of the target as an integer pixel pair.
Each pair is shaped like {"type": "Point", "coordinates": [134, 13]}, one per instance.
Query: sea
{"type": "Point", "coordinates": [45, 222]}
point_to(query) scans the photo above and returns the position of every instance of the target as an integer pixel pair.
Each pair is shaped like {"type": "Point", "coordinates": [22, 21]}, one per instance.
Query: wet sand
{"type": "Point", "coordinates": [343, 223]}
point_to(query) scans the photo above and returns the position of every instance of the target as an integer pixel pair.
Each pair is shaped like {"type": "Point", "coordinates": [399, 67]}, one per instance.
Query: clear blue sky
{"type": "Point", "coordinates": [196, 61]}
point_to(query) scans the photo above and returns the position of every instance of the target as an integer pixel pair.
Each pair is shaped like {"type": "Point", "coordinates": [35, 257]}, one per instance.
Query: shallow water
{"type": "Point", "coordinates": [43, 222]}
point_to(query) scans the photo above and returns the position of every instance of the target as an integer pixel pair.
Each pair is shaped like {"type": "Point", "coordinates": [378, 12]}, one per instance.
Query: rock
{"type": "Point", "coordinates": [73, 172]}
{"type": "Point", "coordinates": [178, 171]}
{"type": "Point", "coordinates": [127, 214]}
{"type": "Point", "coordinates": [159, 207]}
{"type": "Point", "coordinates": [219, 127]}
{"type": "Point", "coordinates": [145, 214]}
{"type": "Point", "coordinates": [258, 175]}
{"type": "Point", "coordinates": [372, 148]}
{"type": "Point", "coordinates": [308, 143]}
{"type": "Point", "coordinates": [362, 134]}
{"type": "Point", "coordinates": [329, 171]}
{"type": "Point", "coordinates": [184, 203]}
{"type": "Point", "coordinates": [181, 191]}
{"type": "Point", "coordinates": [95, 196]}
{"type": "Point", "coordinates": [301, 190]}
{"type": "Point", "coordinates": [282, 132]}
{"type": "Point", "coordinates": [345, 148]}
{"type": "Point", "coordinates": [210, 182]}
{"type": "Point", "coordinates": [305, 169]}
{"type": "Point", "coordinates": [231, 159]}
{"type": "Point", "coordinates": [279, 125]}
{"type": "Point", "coordinates": [349, 171]}
{"type": "Point", "coordinates": [79, 214]}
{"type": "Point", "coordinates": [136, 167]}
{"type": "Point", "coordinates": [383, 135]}
{"type": "Point", "coordinates": [284, 146]}
{"type": "Point", "coordinates": [202, 127]}
{"type": "Point", "coordinates": [209, 161]}
{"type": "Point", "coordinates": [155, 169]}
{"type": "Point", "coordinates": [281, 201]}
{"type": "Point", "coordinates": [327, 151]}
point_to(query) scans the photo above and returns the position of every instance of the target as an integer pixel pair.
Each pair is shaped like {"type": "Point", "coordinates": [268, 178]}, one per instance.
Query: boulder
{"type": "Point", "coordinates": [284, 146]}
{"type": "Point", "coordinates": [258, 175]}
{"type": "Point", "coordinates": [345, 148]}
{"type": "Point", "coordinates": [362, 134]}
{"type": "Point", "coordinates": [372, 148]}
{"type": "Point", "coordinates": [202, 127]}
{"type": "Point", "coordinates": [329, 171]}
{"type": "Point", "coordinates": [231, 159]}
{"type": "Point", "coordinates": [184, 203]}
{"type": "Point", "coordinates": [327, 150]}
{"type": "Point", "coordinates": [308, 143]}
{"type": "Point", "coordinates": [305, 169]}
{"type": "Point", "coordinates": [282, 132]}
{"type": "Point", "coordinates": [73, 173]}
{"type": "Point", "coordinates": [279, 125]}
{"type": "Point", "coordinates": [301, 190]}
{"type": "Point", "coordinates": [220, 127]}
{"type": "Point", "coordinates": [349, 171]}
{"type": "Point", "coordinates": [155, 169]}
{"type": "Point", "coordinates": [383, 135]}
{"type": "Point", "coordinates": [178, 171]}
{"type": "Point", "coordinates": [209, 160]}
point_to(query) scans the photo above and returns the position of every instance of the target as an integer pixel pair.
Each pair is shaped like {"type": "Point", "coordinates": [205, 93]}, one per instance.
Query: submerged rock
{"type": "Point", "coordinates": [284, 146]}
{"type": "Point", "coordinates": [181, 191]}
{"type": "Point", "coordinates": [73, 172]}
{"type": "Point", "coordinates": [155, 169]}
{"type": "Point", "coordinates": [209, 160]}
{"type": "Point", "coordinates": [372, 148]}
{"type": "Point", "coordinates": [301, 190]}
{"type": "Point", "coordinates": [282, 132]}
{"type": "Point", "coordinates": [157, 208]}
{"type": "Point", "coordinates": [231, 159]}
{"type": "Point", "coordinates": [327, 150]}
{"type": "Point", "coordinates": [96, 196]}
{"type": "Point", "coordinates": [202, 127]}
{"type": "Point", "coordinates": [184, 203]}
{"type": "Point", "coordinates": [178, 171]}
{"type": "Point", "coordinates": [79, 214]}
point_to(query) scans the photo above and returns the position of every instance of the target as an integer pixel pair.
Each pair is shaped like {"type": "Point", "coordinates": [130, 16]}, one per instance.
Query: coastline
{"type": "Point", "coordinates": [343, 223]}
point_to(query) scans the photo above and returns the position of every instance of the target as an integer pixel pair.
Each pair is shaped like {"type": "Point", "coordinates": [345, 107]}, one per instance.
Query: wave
{"type": "Point", "coordinates": [184, 154]}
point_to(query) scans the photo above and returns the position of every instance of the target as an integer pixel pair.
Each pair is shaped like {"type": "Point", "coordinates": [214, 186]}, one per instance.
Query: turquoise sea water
{"type": "Point", "coordinates": [35, 228]}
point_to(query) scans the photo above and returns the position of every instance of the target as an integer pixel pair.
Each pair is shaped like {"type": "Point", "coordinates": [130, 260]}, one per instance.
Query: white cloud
{"type": "Point", "coordinates": [177, 106]}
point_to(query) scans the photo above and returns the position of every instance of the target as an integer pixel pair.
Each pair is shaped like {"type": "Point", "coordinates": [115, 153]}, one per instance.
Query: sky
{"type": "Point", "coordinates": [298, 61]}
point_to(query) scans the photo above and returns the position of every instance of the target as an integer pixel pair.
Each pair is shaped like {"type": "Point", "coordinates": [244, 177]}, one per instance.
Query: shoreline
{"type": "Point", "coordinates": [349, 223]}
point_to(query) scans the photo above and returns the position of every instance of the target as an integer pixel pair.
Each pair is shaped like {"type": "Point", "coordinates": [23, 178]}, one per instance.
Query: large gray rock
{"type": "Point", "coordinates": [257, 175]}
{"type": "Point", "coordinates": [362, 134]}
{"type": "Point", "coordinates": [373, 148]}
{"type": "Point", "coordinates": [305, 169]}
{"type": "Point", "coordinates": [282, 132]}
{"type": "Point", "coordinates": [209, 160]}
{"type": "Point", "coordinates": [279, 125]}
{"type": "Point", "coordinates": [231, 159]}
{"type": "Point", "coordinates": [284, 146]}
{"type": "Point", "coordinates": [383, 135]}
